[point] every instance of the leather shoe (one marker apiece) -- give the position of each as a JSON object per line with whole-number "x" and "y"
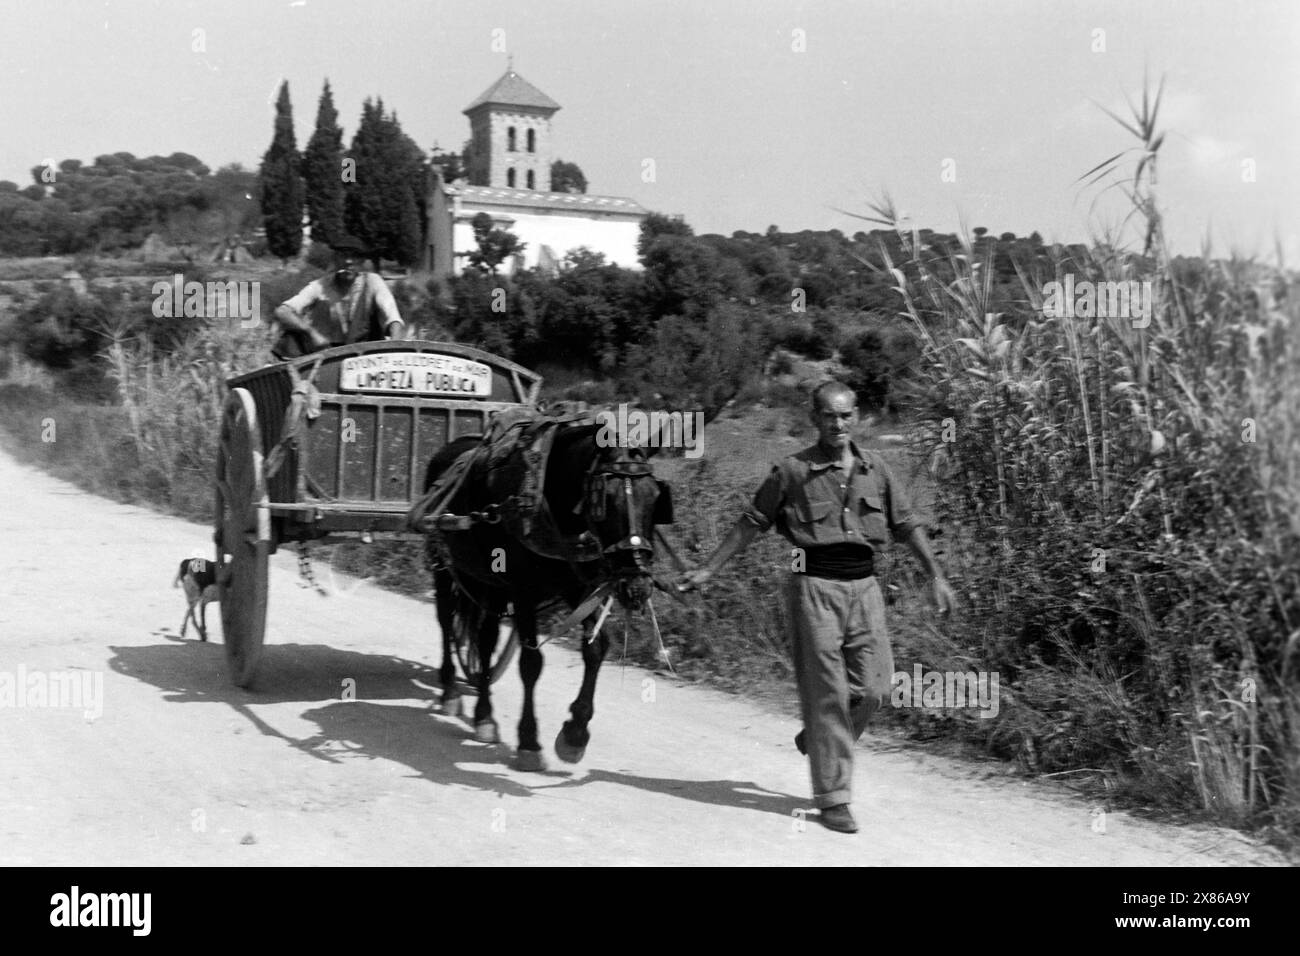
{"x": 839, "y": 818}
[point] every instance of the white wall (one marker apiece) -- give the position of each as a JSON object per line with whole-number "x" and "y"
{"x": 616, "y": 238}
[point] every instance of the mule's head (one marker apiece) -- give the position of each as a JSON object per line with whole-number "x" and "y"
{"x": 621, "y": 503}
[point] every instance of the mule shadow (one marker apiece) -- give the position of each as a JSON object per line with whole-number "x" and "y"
{"x": 437, "y": 748}
{"x": 742, "y": 795}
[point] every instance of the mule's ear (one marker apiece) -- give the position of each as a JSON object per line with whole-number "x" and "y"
{"x": 663, "y": 511}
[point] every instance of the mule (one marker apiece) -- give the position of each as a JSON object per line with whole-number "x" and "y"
{"x": 606, "y": 501}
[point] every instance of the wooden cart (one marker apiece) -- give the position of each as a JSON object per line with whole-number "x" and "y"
{"x": 332, "y": 447}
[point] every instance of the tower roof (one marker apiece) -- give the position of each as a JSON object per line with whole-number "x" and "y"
{"x": 513, "y": 90}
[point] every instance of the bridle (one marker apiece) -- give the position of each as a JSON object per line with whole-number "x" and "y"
{"x": 595, "y": 490}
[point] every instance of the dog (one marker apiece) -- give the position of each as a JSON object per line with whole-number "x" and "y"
{"x": 199, "y": 578}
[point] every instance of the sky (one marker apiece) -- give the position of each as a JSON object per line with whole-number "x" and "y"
{"x": 754, "y": 112}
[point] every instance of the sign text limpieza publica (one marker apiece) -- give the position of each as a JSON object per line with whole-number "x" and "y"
{"x": 415, "y": 373}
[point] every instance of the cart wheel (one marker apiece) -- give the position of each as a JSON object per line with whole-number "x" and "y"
{"x": 464, "y": 632}
{"x": 243, "y": 534}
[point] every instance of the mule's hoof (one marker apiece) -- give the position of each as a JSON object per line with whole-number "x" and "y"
{"x": 566, "y": 751}
{"x": 450, "y": 704}
{"x": 485, "y": 732}
{"x": 531, "y": 761}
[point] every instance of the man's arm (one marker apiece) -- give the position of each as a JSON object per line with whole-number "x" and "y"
{"x": 919, "y": 542}
{"x": 741, "y": 535}
{"x": 387, "y": 306}
{"x": 757, "y": 518}
{"x": 290, "y": 314}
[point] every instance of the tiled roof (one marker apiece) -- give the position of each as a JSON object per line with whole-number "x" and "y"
{"x": 579, "y": 202}
{"x": 513, "y": 90}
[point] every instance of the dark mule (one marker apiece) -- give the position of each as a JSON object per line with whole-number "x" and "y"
{"x": 606, "y": 501}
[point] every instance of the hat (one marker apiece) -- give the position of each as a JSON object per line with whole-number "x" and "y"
{"x": 349, "y": 244}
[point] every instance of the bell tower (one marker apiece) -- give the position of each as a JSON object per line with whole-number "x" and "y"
{"x": 510, "y": 135}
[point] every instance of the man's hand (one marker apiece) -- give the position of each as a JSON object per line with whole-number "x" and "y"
{"x": 318, "y": 340}
{"x": 944, "y": 598}
{"x": 693, "y": 579}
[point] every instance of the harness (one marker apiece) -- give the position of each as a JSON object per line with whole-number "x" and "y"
{"x": 515, "y": 451}
{"x": 595, "y": 491}
{"x": 523, "y": 441}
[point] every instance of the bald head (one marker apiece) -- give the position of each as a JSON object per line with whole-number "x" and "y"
{"x": 825, "y": 392}
{"x": 835, "y": 413}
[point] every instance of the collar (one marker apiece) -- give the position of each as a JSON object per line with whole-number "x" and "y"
{"x": 819, "y": 461}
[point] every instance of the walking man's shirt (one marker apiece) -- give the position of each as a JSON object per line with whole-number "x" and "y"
{"x": 838, "y": 517}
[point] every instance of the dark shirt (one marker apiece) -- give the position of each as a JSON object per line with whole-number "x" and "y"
{"x": 812, "y": 503}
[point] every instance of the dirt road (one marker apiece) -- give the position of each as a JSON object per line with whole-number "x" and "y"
{"x": 172, "y": 765}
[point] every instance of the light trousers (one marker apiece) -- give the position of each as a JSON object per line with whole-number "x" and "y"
{"x": 844, "y": 667}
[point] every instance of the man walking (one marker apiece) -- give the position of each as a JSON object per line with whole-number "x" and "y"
{"x": 348, "y": 305}
{"x": 836, "y": 505}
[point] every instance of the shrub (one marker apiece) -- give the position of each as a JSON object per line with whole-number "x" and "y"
{"x": 694, "y": 365}
{"x": 319, "y": 256}
{"x": 877, "y": 363}
{"x": 812, "y": 336}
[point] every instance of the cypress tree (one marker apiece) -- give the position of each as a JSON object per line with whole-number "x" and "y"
{"x": 282, "y": 191}
{"x": 385, "y": 206}
{"x": 322, "y": 172}
{"x": 363, "y": 199}
{"x": 412, "y": 189}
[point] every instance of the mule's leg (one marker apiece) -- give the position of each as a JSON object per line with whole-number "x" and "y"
{"x": 571, "y": 743}
{"x": 444, "y": 596}
{"x": 185, "y": 622}
{"x": 203, "y": 620}
{"x": 485, "y": 727}
{"x": 529, "y": 755}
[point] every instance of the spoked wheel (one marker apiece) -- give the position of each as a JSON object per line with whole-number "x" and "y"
{"x": 243, "y": 534}
{"x": 465, "y": 620}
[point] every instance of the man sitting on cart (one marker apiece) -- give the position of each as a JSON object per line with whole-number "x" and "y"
{"x": 347, "y": 305}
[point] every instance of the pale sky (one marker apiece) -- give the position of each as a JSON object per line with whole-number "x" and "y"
{"x": 744, "y": 129}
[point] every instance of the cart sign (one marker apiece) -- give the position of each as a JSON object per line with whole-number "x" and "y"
{"x": 416, "y": 373}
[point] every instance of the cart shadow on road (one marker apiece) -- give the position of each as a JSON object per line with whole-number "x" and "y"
{"x": 439, "y": 749}
{"x": 190, "y": 671}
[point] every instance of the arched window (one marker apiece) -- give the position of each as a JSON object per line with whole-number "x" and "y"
{"x": 531, "y": 181}
{"x": 532, "y": 141}
{"x": 510, "y": 178}
{"x": 510, "y": 139}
